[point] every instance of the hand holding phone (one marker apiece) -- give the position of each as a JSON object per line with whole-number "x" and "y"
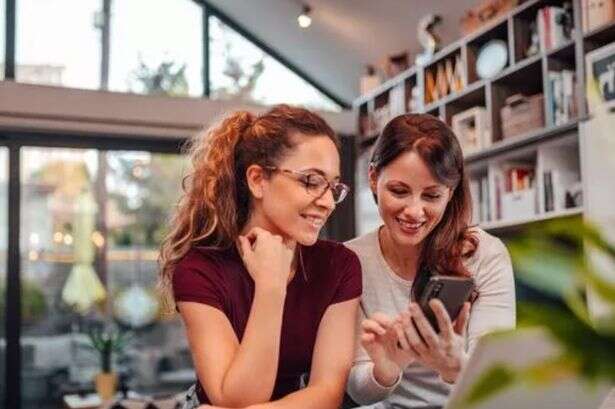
{"x": 453, "y": 292}
{"x": 438, "y": 338}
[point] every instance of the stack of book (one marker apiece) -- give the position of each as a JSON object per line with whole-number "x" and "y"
{"x": 515, "y": 195}
{"x": 551, "y": 23}
{"x": 561, "y": 97}
{"x": 518, "y": 178}
{"x": 447, "y": 77}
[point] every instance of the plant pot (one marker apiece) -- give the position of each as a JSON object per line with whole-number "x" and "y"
{"x": 106, "y": 384}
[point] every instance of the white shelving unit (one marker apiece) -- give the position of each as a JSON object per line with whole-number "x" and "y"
{"x": 553, "y": 150}
{"x": 504, "y": 225}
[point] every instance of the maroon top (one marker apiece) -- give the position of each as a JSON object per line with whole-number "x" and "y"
{"x": 219, "y": 278}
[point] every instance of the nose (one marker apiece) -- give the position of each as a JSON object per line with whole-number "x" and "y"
{"x": 414, "y": 209}
{"x": 326, "y": 200}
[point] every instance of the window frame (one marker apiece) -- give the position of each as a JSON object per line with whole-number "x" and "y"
{"x": 14, "y": 142}
{"x": 208, "y": 11}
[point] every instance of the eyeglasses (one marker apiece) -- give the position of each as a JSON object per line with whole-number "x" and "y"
{"x": 316, "y": 185}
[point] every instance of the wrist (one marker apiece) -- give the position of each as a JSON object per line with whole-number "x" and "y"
{"x": 270, "y": 291}
{"x": 450, "y": 375}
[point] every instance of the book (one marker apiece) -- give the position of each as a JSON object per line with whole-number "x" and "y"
{"x": 569, "y": 86}
{"x": 548, "y": 191}
{"x": 561, "y": 96}
{"x": 475, "y": 192}
{"x": 596, "y": 13}
{"x": 517, "y": 176}
{"x": 485, "y": 212}
{"x": 551, "y": 29}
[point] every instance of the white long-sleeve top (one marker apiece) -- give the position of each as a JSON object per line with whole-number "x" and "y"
{"x": 386, "y": 292}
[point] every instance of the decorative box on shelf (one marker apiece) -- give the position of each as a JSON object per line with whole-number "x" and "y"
{"x": 596, "y": 13}
{"x": 483, "y": 13}
{"x": 519, "y": 205}
{"x": 522, "y": 114}
{"x": 472, "y": 129}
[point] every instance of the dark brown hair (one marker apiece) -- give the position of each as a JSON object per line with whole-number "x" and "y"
{"x": 451, "y": 240}
{"x": 216, "y": 201}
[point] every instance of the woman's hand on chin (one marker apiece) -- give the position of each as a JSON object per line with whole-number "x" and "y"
{"x": 268, "y": 258}
{"x": 442, "y": 351}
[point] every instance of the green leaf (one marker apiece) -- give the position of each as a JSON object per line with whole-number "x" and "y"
{"x": 578, "y": 305}
{"x": 594, "y": 352}
{"x": 554, "y": 274}
{"x": 491, "y": 382}
{"x": 604, "y": 288}
{"x": 549, "y": 371}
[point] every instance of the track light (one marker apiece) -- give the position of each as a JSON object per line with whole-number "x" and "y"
{"x": 304, "y": 18}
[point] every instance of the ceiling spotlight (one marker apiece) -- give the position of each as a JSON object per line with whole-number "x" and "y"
{"x": 304, "y": 18}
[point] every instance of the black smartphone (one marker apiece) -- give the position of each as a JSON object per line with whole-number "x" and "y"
{"x": 452, "y": 291}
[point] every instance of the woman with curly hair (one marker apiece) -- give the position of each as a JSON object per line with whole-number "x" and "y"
{"x": 417, "y": 177}
{"x": 263, "y": 300}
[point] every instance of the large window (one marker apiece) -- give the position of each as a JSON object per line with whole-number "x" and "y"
{"x": 58, "y": 43}
{"x": 239, "y": 69}
{"x": 156, "y": 47}
{"x": 92, "y": 222}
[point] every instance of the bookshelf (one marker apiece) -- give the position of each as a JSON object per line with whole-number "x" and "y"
{"x": 548, "y": 153}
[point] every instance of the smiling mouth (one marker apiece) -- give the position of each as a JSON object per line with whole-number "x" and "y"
{"x": 408, "y": 226}
{"x": 315, "y": 221}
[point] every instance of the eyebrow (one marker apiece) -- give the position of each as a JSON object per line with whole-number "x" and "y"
{"x": 425, "y": 188}
{"x": 320, "y": 172}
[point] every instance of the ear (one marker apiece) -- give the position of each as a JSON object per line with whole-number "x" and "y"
{"x": 255, "y": 177}
{"x": 372, "y": 176}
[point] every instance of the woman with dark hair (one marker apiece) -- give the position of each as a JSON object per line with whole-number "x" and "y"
{"x": 417, "y": 177}
{"x": 262, "y": 299}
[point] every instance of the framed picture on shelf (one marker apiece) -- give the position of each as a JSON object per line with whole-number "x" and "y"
{"x": 600, "y": 72}
{"x": 472, "y": 129}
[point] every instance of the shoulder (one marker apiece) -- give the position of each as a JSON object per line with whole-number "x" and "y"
{"x": 204, "y": 275}
{"x": 488, "y": 245}
{"x": 491, "y": 260}
{"x": 199, "y": 256}
{"x": 367, "y": 249}
{"x": 202, "y": 263}
{"x": 363, "y": 243}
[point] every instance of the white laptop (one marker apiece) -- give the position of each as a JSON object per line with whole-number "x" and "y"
{"x": 518, "y": 350}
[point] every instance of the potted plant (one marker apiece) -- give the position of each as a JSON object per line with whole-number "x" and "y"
{"x": 561, "y": 258}
{"x": 33, "y": 303}
{"x": 106, "y": 342}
